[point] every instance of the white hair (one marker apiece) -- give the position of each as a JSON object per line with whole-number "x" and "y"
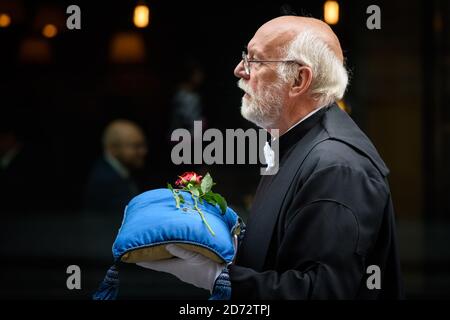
{"x": 330, "y": 77}
{"x": 263, "y": 108}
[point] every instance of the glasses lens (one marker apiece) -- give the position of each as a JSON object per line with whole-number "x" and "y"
{"x": 245, "y": 60}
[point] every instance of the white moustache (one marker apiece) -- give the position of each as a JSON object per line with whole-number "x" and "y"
{"x": 244, "y": 87}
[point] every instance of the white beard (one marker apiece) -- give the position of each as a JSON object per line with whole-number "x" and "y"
{"x": 262, "y": 109}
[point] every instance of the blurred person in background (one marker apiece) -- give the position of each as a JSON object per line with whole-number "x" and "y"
{"x": 187, "y": 107}
{"x": 187, "y": 103}
{"x": 111, "y": 184}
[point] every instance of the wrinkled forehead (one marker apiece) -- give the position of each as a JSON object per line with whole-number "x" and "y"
{"x": 268, "y": 40}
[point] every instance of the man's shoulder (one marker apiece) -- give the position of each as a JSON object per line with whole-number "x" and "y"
{"x": 335, "y": 170}
{"x": 338, "y": 154}
{"x": 346, "y": 144}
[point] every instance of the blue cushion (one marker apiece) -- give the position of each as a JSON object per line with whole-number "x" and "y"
{"x": 152, "y": 220}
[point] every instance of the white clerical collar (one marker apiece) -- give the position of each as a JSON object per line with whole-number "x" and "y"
{"x": 300, "y": 121}
{"x": 117, "y": 166}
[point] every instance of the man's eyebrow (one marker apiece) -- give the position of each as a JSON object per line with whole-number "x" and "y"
{"x": 254, "y": 51}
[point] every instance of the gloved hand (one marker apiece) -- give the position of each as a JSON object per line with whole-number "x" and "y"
{"x": 188, "y": 266}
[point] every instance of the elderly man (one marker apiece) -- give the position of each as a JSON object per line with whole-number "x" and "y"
{"x": 110, "y": 185}
{"x": 322, "y": 227}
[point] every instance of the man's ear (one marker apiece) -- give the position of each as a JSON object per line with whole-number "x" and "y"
{"x": 302, "y": 82}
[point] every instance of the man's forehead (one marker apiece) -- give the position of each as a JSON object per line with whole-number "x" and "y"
{"x": 264, "y": 40}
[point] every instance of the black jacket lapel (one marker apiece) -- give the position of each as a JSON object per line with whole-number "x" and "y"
{"x": 268, "y": 202}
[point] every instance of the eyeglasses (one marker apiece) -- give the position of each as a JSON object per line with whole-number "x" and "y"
{"x": 247, "y": 62}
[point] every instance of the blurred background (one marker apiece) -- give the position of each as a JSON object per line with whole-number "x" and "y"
{"x": 86, "y": 117}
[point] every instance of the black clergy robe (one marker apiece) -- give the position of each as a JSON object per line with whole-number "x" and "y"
{"x": 317, "y": 225}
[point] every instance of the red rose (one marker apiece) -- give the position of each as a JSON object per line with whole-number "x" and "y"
{"x": 200, "y": 189}
{"x": 188, "y": 177}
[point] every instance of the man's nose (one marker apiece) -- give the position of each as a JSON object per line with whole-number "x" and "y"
{"x": 239, "y": 71}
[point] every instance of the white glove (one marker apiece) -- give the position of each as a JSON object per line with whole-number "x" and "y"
{"x": 188, "y": 266}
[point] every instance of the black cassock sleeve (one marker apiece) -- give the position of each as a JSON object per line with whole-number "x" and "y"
{"x": 320, "y": 255}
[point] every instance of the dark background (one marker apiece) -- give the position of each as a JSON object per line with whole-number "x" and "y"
{"x": 399, "y": 94}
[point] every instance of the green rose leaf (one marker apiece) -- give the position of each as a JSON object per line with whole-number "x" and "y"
{"x": 210, "y": 198}
{"x": 195, "y": 192}
{"x": 221, "y": 202}
{"x": 207, "y": 183}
